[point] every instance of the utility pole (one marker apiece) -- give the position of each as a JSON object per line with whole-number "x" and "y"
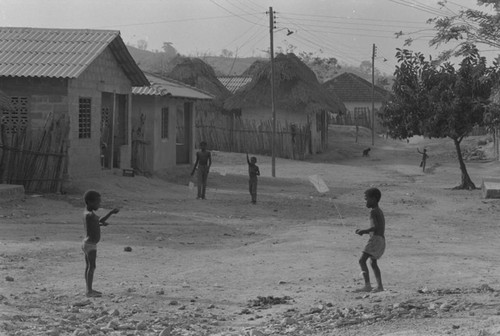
{"x": 373, "y": 93}
{"x": 273, "y": 109}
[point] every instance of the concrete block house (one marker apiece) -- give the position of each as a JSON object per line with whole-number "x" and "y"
{"x": 84, "y": 75}
{"x": 163, "y": 116}
{"x": 356, "y": 94}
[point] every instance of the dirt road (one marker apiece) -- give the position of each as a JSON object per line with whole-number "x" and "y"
{"x": 286, "y": 266}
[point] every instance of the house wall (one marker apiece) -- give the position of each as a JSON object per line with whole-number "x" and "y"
{"x": 103, "y": 75}
{"x": 159, "y": 153}
{"x": 377, "y": 105}
{"x": 46, "y": 97}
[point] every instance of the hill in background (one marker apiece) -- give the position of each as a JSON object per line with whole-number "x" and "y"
{"x": 159, "y": 62}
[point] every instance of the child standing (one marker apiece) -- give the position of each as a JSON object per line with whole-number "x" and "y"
{"x": 93, "y": 225}
{"x": 203, "y": 162}
{"x": 424, "y": 158}
{"x": 375, "y": 247}
{"x": 253, "y": 172}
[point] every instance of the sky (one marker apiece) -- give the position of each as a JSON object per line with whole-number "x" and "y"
{"x": 344, "y": 29}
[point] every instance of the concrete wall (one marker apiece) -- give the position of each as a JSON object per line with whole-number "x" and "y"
{"x": 351, "y": 105}
{"x": 160, "y": 153}
{"x": 103, "y": 75}
{"x": 47, "y": 97}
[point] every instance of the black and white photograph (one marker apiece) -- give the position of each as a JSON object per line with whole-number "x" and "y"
{"x": 249, "y": 167}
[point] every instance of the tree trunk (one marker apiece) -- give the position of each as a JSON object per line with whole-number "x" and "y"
{"x": 466, "y": 180}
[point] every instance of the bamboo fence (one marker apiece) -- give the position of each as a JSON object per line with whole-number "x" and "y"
{"x": 37, "y": 160}
{"x": 233, "y": 134}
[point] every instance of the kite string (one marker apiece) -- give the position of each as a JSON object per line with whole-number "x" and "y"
{"x": 340, "y": 215}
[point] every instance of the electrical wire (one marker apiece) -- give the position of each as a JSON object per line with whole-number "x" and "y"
{"x": 229, "y": 11}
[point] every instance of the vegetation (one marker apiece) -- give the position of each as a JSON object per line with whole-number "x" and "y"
{"x": 468, "y": 27}
{"x": 440, "y": 101}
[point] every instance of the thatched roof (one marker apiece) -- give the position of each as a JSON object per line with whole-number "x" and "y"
{"x": 254, "y": 68}
{"x": 196, "y": 73}
{"x": 297, "y": 89}
{"x": 5, "y": 101}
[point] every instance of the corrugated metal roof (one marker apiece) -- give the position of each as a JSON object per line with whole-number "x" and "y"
{"x": 234, "y": 83}
{"x": 61, "y": 53}
{"x": 170, "y": 87}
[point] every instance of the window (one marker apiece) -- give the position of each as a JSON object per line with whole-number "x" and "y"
{"x": 164, "y": 123}
{"x": 84, "y": 114}
{"x": 16, "y": 119}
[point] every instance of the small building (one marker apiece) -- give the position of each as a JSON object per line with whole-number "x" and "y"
{"x": 300, "y": 100}
{"x": 163, "y": 124}
{"x": 84, "y": 75}
{"x": 356, "y": 94}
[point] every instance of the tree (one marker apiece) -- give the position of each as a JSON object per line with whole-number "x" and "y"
{"x": 169, "y": 50}
{"x": 439, "y": 101}
{"x": 468, "y": 27}
{"x": 325, "y": 68}
{"x": 226, "y": 53}
{"x": 142, "y": 44}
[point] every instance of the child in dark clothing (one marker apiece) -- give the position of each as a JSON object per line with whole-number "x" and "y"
{"x": 203, "y": 163}
{"x": 425, "y": 156}
{"x": 253, "y": 172}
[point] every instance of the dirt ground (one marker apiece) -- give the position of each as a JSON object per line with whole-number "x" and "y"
{"x": 285, "y": 266}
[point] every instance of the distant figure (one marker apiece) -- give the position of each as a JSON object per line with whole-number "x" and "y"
{"x": 366, "y": 152}
{"x": 253, "y": 172}
{"x": 93, "y": 225}
{"x": 203, "y": 163}
{"x": 424, "y": 158}
{"x": 375, "y": 247}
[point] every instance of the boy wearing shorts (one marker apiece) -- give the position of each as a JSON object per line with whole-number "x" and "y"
{"x": 375, "y": 247}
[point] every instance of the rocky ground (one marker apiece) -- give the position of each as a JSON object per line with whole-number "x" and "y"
{"x": 169, "y": 264}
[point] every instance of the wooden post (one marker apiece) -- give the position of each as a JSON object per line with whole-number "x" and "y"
{"x": 273, "y": 109}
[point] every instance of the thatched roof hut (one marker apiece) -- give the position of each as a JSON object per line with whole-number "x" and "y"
{"x": 296, "y": 89}
{"x": 196, "y": 73}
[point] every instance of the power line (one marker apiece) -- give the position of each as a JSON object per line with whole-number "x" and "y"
{"x": 240, "y": 8}
{"x": 245, "y": 3}
{"x": 227, "y": 10}
{"x": 321, "y": 44}
{"x": 242, "y": 35}
{"x": 163, "y": 21}
{"x": 350, "y": 18}
{"x": 419, "y": 7}
{"x": 330, "y": 23}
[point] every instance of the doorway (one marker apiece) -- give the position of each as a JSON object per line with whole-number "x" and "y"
{"x": 183, "y": 133}
{"x": 114, "y": 128}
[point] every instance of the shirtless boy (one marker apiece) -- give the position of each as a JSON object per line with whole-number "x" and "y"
{"x": 203, "y": 162}
{"x": 375, "y": 247}
{"x": 93, "y": 225}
